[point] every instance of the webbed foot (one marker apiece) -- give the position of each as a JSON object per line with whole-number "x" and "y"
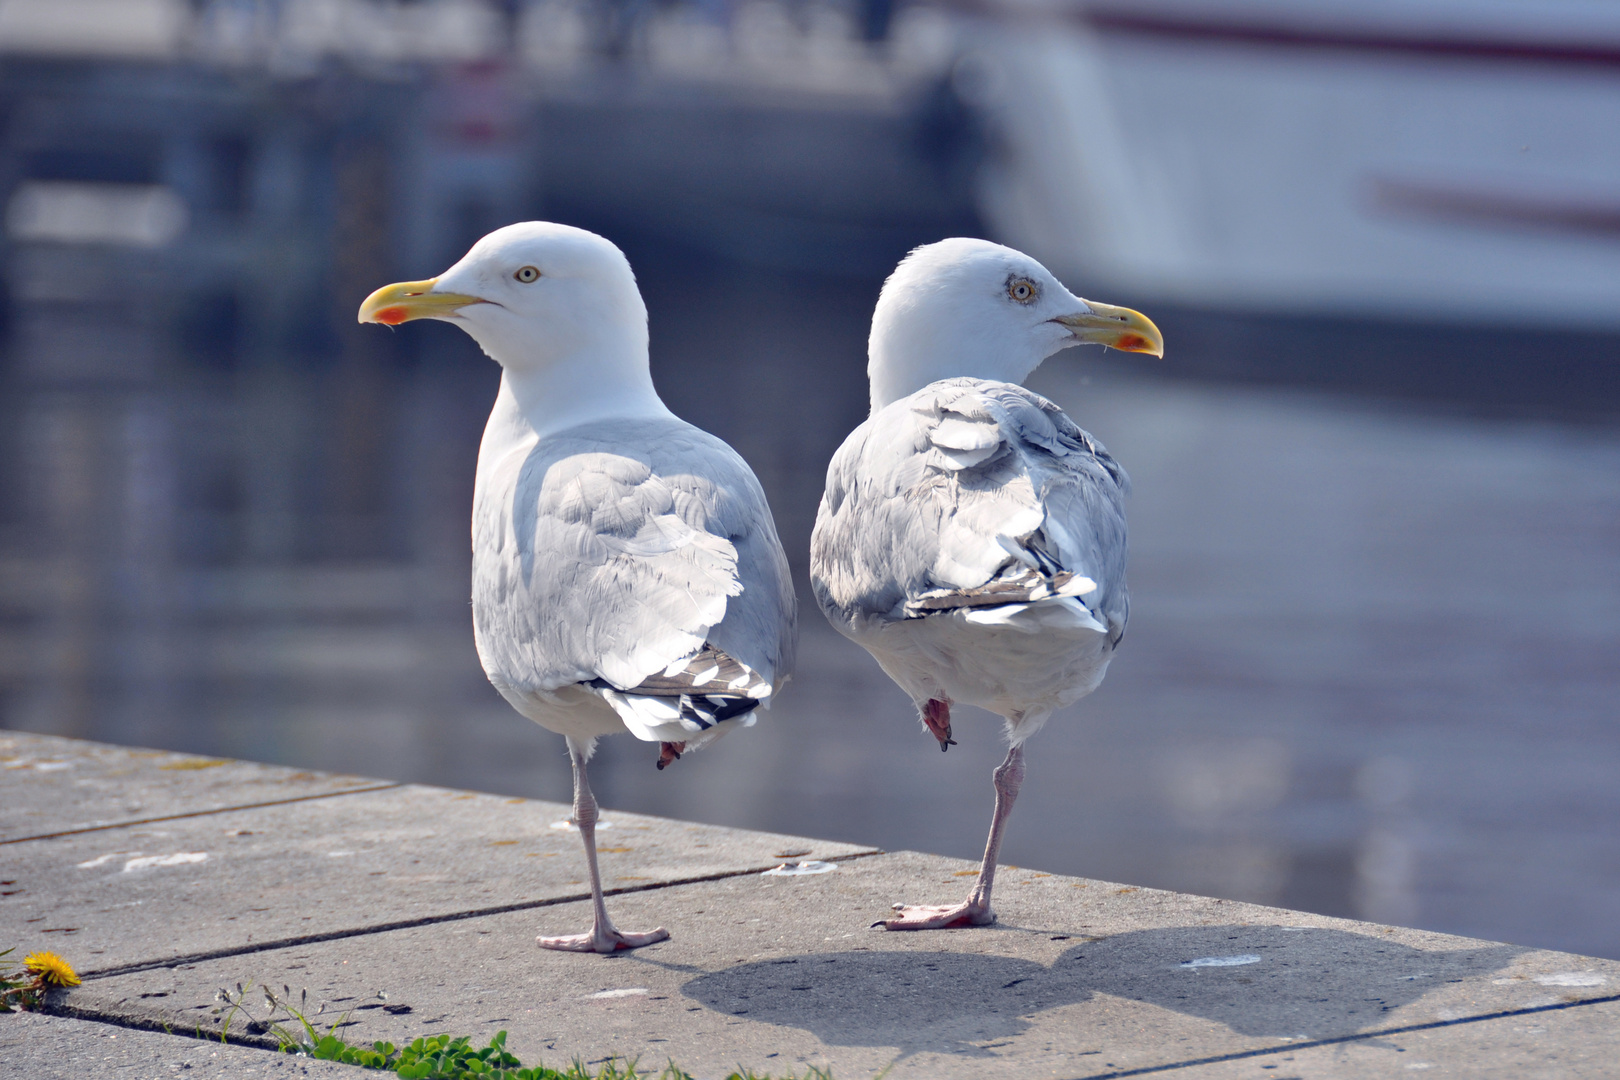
{"x": 601, "y": 940}
{"x": 939, "y": 917}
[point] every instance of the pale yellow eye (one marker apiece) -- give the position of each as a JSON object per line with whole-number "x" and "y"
{"x": 1023, "y": 290}
{"x": 527, "y": 274}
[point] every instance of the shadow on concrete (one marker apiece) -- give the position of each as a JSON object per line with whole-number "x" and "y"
{"x": 1275, "y": 982}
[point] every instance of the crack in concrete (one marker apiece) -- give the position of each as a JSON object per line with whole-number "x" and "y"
{"x": 152, "y": 1021}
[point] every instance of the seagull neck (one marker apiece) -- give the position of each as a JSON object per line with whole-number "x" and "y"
{"x": 896, "y": 373}
{"x": 555, "y": 398}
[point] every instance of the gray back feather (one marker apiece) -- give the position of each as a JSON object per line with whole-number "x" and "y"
{"x": 964, "y": 486}
{"x": 614, "y": 549}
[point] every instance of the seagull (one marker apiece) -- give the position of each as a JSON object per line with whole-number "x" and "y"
{"x": 971, "y": 537}
{"x": 627, "y": 574}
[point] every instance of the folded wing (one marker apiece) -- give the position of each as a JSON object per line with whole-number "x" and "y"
{"x": 650, "y": 575}
{"x": 973, "y": 497}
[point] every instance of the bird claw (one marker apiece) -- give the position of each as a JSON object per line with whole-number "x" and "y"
{"x": 603, "y": 941}
{"x": 938, "y": 917}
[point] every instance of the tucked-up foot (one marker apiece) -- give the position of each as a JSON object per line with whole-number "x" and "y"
{"x": 936, "y": 716}
{"x": 603, "y": 941}
{"x": 668, "y": 752}
{"x": 935, "y": 917}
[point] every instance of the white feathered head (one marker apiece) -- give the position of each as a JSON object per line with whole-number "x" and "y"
{"x": 965, "y": 307}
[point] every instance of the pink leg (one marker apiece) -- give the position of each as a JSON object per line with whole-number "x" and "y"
{"x": 975, "y": 910}
{"x": 604, "y": 937}
{"x": 936, "y": 716}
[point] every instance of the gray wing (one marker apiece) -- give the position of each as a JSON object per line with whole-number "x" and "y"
{"x": 970, "y": 494}
{"x": 638, "y": 560}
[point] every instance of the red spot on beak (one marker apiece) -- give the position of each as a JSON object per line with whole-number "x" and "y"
{"x": 391, "y": 316}
{"x": 1132, "y": 343}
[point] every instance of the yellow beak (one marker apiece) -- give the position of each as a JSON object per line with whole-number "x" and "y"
{"x": 1117, "y": 327}
{"x": 394, "y": 304}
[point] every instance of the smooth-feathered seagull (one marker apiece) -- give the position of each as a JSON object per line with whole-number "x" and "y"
{"x": 627, "y": 575}
{"x": 971, "y": 537}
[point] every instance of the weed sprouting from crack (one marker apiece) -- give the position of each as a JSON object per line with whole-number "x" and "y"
{"x": 26, "y": 987}
{"x": 432, "y": 1057}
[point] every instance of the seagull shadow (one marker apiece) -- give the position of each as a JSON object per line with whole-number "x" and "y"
{"x": 1311, "y": 982}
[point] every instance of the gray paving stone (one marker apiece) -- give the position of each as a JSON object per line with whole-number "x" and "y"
{"x": 43, "y": 1047}
{"x": 190, "y": 886}
{"x": 394, "y": 907}
{"x": 51, "y": 785}
{"x": 1568, "y": 1044}
{"x": 1081, "y": 978}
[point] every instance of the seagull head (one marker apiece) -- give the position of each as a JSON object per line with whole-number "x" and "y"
{"x": 532, "y": 295}
{"x": 965, "y": 307}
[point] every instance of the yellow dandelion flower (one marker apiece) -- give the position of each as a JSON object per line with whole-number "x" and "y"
{"x": 51, "y": 969}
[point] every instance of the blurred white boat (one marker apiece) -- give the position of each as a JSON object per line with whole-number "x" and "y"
{"x": 1443, "y": 160}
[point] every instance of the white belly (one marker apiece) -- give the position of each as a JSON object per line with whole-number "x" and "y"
{"x": 1022, "y": 669}
{"x": 572, "y": 710}
{"x": 581, "y": 714}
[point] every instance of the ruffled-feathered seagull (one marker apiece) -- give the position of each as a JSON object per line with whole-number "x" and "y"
{"x": 971, "y": 537}
{"x": 627, "y": 575}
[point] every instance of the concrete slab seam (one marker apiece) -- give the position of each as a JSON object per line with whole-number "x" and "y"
{"x": 1240, "y": 1055}
{"x": 142, "y": 1023}
{"x": 200, "y": 813}
{"x": 427, "y": 920}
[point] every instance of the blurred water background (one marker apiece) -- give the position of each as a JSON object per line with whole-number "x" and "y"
{"x": 1372, "y": 667}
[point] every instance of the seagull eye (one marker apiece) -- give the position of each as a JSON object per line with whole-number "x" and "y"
{"x": 527, "y": 274}
{"x": 1023, "y": 290}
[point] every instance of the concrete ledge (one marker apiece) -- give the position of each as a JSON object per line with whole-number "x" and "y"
{"x": 433, "y": 898}
{"x": 57, "y": 786}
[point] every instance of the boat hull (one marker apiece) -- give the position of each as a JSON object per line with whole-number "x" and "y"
{"x": 1340, "y": 172}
